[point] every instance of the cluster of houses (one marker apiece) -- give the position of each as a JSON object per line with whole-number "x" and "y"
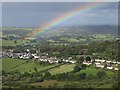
{"x": 103, "y": 64}
{"x": 45, "y": 58}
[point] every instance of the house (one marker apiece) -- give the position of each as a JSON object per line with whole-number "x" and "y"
{"x": 114, "y": 62}
{"x": 108, "y": 61}
{"x": 98, "y": 60}
{"x": 53, "y": 61}
{"x": 87, "y": 63}
{"x": 116, "y": 69}
{"x": 71, "y": 61}
{"x": 36, "y": 57}
{"x": 99, "y": 65}
{"x": 110, "y": 68}
{"x": 118, "y": 63}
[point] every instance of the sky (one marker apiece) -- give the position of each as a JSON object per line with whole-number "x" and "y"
{"x": 34, "y": 14}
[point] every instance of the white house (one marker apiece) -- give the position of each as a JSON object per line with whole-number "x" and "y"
{"x": 110, "y": 68}
{"x": 98, "y": 60}
{"x": 36, "y": 57}
{"x": 71, "y": 61}
{"x": 108, "y": 61}
{"x": 87, "y": 63}
{"x": 99, "y": 65}
{"x": 116, "y": 69}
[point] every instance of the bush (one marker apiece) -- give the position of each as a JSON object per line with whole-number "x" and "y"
{"x": 32, "y": 80}
{"x": 26, "y": 74}
{"x": 77, "y": 69}
{"x": 83, "y": 66}
{"x": 101, "y": 74}
{"x": 35, "y": 69}
{"x": 82, "y": 75}
{"x": 47, "y": 74}
{"x": 40, "y": 79}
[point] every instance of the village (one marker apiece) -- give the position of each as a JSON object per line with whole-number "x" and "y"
{"x": 99, "y": 63}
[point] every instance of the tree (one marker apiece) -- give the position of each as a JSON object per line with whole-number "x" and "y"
{"x": 77, "y": 69}
{"x": 47, "y": 74}
{"x": 40, "y": 79}
{"x": 35, "y": 69}
{"x": 83, "y": 66}
{"x": 81, "y": 59}
{"x": 82, "y": 75}
{"x": 88, "y": 58}
{"x": 26, "y": 74}
{"x": 15, "y": 41}
{"x": 100, "y": 74}
{"x": 3, "y": 72}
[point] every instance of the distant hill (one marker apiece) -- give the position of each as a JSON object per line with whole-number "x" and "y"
{"x": 76, "y": 30}
{"x": 65, "y": 30}
{"x": 18, "y": 31}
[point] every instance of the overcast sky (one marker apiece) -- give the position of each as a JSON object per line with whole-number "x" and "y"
{"x": 26, "y": 14}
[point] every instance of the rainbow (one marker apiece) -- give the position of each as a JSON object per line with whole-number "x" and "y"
{"x": 63, "y": 17}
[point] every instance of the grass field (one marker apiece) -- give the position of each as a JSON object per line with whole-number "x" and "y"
{"x": 69, "y": 39}
{"x": 30, "y": 67}
{"x": 9, "y": 64}
{"x": 11, "y": 42}
{"x": 62, "y": 69}
{"x": 93, "y": 71}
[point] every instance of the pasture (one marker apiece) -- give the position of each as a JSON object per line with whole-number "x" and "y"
{"x": 22, "y": 65}
{"x": 62, "y": 69}
{"x": 12, "y": 42}
{"x": 9, "y": 63}
{"x": 93, "y": 71}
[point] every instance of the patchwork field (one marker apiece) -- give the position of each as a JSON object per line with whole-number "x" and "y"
{"x": 22, "y": 65}
{"x": 9, "y": 63}
{"x": 12, "y": 42}
{"x": 62, "y": 69}
{"x": 93, "y": 71}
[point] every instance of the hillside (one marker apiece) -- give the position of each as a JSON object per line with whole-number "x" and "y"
{"x": 77, "y": 30}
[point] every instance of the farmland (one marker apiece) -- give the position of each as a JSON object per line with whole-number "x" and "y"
{"x": 26, "y": 65}
{"x": 22, "y": 65}
{"x": 62, "y": 69}
{"x": 93, "y": 71}
{"x": 9, "y": 63}
{"x": 12, "y": 42}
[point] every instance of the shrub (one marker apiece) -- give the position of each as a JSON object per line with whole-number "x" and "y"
{"x": 77, "y": 69}
{"x": 100, "y": 74}
{"x": 82, "y": 75}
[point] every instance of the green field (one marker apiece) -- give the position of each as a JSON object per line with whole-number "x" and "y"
{"x": 93, "y": 71}
{"x": 31, "y": 65}
{"x": 62, "y": 69}
{"x": 11, "y": 42}
{"x": 22, "y": 65}
{"x": 8, "y": 63}
{"x": 69, "y": 39}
